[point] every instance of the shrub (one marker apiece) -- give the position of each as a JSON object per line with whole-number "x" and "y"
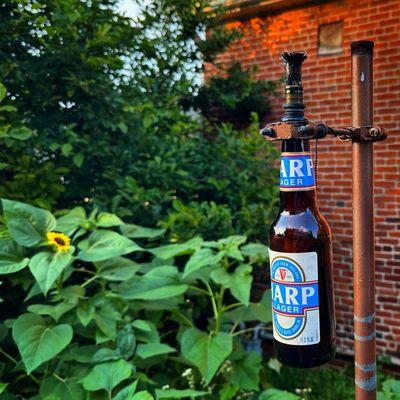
{"x": 233, "y": 95}
{"x": 101, "y": 95}
{"x": 226, "y": 182}
{"x": 95, "y": 307}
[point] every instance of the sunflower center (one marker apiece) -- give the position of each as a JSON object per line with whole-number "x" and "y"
{"x": 59, "y": 241}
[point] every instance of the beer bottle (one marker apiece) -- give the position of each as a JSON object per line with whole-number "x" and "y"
{"x": 300, "y": 250}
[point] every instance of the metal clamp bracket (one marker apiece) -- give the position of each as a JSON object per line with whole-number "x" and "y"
{"x": 313, "y": 130}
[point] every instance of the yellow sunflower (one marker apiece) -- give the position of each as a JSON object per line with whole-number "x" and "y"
{"x": 60, "y": 241}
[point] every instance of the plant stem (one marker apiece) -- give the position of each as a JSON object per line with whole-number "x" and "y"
{"x": 87, "y": 271}
{"x": 250, "y": 330}
{"x": 12, "y": 359}
{"x": 230, "y": 306}
{"x": 220, "y": 308}
{"x": 184, "y": 317}
{"x": 200, "y": 290}
{"x": 90, "y": 280}
{"x": 58, "y": 377}
{"x": 214, "y": 306}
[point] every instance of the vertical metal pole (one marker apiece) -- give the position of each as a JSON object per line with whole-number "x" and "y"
{"x": 363, "y": 224}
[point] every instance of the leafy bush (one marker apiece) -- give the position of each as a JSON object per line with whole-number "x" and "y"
{"x": 102, "y": 95}
{"x": 233, "y": 95}
{"x": 95, "y": 307}
{"x": 224, "y": 183}
{"x": 22, "y": 173}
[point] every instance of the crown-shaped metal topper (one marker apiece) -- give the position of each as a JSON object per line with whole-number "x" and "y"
{"x": 294, "y": 106}
{"x": 293, "y": 61}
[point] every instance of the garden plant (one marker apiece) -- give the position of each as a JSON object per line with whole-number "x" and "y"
{"x": 95, "y": 308}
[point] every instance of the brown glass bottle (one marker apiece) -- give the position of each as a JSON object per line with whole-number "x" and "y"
{"x": 298, "y": 234}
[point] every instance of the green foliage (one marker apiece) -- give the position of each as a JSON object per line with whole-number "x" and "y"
{"x": 206, "y": 351}
{"x": 223, "y": 186}
{"x": 107, "y": 376}
{"x": 234, "y": 95}
{"x": 390, "y": 390}
{"x": 316, "y": 383}
{"x": 275, "y": 394}
{"x": 102, "y": 98}
{"x": 122, "y": 313}
{"x": 38, "y": 342}
{"x": 23, "y": 174}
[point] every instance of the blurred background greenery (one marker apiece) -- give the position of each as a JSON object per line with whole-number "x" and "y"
{"x": 114, "y": 114}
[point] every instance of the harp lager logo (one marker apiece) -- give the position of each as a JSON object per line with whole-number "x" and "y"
{"x": 297, "y": 172}
{"x": 295, "y": 303}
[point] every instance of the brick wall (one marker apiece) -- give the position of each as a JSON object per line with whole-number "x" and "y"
{"x": 326, "y": 81}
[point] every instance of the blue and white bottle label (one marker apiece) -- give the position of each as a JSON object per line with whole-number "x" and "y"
{"x": 297, "y": 172}
{"x": 295, "y": 301}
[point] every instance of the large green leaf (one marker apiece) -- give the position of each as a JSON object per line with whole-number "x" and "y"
{"x": 103, "y": 245}
{"x": 85, "y": 313}
{"x": 117, "y": 269}
{"x": 201, "y": 258}
{"x": 127, "y": 392}
{"x": 246, "y": 371}
{"x": 206, "y": 351}
{"x": 70, "y": 297}
{"x": 260, "y": 311}
{"x": 67, "y": 389}
{"x": 107, "y": 376}
{"x": 47, "y": 266}
{"x": 146, "y": 350}
{"x": 106, "y": 318}
{"x": 56, "y": 311}
{"x": 11, "y": 257}
{"x": 255, "y": 252}
{"x": 38, "y": 342}
{"x": 140, "y": 232}
{"x": 27, "y": 224}
{"x": 159, "y": 283}
{"x": 276, "y": 394}
{"x": 173, "y": 250}
{"x": 239, "y": 282}
{"x": 178, "y": 394}
{"x": 71, "y": 221}
{"x": 230, "y": 246}
{"x": 107, "y": 220}
{"x": 146, "y": 331}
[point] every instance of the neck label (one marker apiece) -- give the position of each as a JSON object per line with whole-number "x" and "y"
{"x": 297, "y": 172}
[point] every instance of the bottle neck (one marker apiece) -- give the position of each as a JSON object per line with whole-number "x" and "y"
{"x": 297, "y": 178}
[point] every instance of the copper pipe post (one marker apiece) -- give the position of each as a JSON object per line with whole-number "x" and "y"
{"x": 363, "y": 224}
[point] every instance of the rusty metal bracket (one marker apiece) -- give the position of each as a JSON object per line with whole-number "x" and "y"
{"x": 363, "y": 134}
{"x": 313, "y": 130}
